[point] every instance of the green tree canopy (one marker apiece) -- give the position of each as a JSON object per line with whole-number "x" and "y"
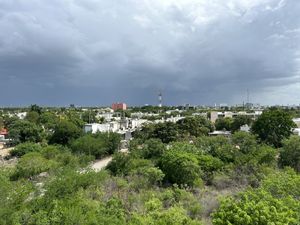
{"x": 49, "y": 120}
{"x": 273, "y": 126}
{"x": 195, "y": 126}
{"x": 65, "y": 132}
{"x": 275, "y": 202}
{"x": 33, "y": 116}
{"x": 25, "y": 131}
{"x": 224, "y": 123}
{"x": 290, "y": 153}
{"x": 181, "y": 167}
{"x": 239, "y": 121}
{"x": 25, "y": 148}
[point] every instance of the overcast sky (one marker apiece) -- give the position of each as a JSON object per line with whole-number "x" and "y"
{"x": 95, "y": 52}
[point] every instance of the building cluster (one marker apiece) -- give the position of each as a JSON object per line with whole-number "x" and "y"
{"x": 216, "y": 115}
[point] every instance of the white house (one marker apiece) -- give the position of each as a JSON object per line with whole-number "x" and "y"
{"x": 106, "y": 127}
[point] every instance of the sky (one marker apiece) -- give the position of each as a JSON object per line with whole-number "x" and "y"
{"x": 95, "y": 52}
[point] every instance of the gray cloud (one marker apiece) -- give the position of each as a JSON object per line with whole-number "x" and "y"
{"x": 201, "y": 52}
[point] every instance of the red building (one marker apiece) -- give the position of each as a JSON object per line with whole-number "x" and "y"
{"x": 4, "y": 132}
{"x": 119, "y": 106}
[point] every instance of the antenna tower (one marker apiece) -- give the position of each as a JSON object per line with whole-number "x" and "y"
{"x": 160, "y": 99}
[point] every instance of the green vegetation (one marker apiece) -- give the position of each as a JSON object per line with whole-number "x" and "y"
{"x": 24, "y": 131}
{"x": 290, "y": 153}
{"x": 65, "y": 132}
{"x": 96, "y": 145}
{"x": 25, "y": 148}
{"x": 173, "y": 173}
{"x": 273, "y": 126}
{"x": 233, "y": 124}
{"x": 275, "y": 202}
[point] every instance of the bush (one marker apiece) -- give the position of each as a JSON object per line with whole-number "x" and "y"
{"x": 25, "y": 148}
{"x": 90, "y": 145}
{"x": 209, "y": 165}
{"x": 180, "y": 167}
{"x": 156, "y": 214}
{"x": 31, "y": 164}
{"x": 152, "y": 148}
{"x": 275, "y": 202}
{"x": 282, "y": 184}
{"x": 257, "y": 207}
{"x": 246, "y": 142}
{"x": 290, "y": 153}
{"x": 118, "y": 165}
{"x": 219, "y": 147}
{"x": 152, "y": 174}
{"x": 64, "y": 133}
{"x": 24, "y": 131}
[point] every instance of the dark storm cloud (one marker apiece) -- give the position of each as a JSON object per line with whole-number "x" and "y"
{"x": 95, "y": 52}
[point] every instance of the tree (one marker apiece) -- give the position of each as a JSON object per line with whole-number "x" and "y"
{"x": 181, "y": 167}
{"x": 219, "y": 147}
{"x": 239, "y": 121}
{"x": 290, "y": 153}
{"x": 166, "y": 132}
{"x": 25, "y": 131}
{"x": 89, "y": 116}
{"x": 36, "y": 108}
{"x": 273, "y": 126}
{"x": 9, "y": 120}
{"x": 195, "y": 126}
{"x": 1, "y": 122}
{"x": 32, "y": 116}
{"x": 152, "y": 148}
{"x": 224, "y": 123}
{"x": 245, "y": 142}
{"x": 74, "y": 117}
{"x": 49, "y": 120}
{"x": 64, "y": 133}
{"x": 90, "y": 145}
{"x": 112, "y": 141}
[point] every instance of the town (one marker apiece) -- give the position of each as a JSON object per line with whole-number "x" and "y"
{"x": 200, "y": 154}
{"x": 149, "y": 112}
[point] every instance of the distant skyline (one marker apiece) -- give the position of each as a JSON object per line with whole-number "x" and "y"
{"x": 96, "y": 52}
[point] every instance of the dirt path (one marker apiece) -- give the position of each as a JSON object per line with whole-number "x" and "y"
{"x": 102, "y": 163}
{"x": 5, "y": 152}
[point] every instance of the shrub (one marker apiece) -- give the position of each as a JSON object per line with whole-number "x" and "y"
{"x": 290, "y": 153}
{"x": 90, "y": 145}
{"x": 64, "y": 133}
{"x": 180, "y": 167}
{"x": 275, "y": 202}
{"x": 257, "y": 207}
{"x": 25, "y": 148}
{"x": 31, "y": 164}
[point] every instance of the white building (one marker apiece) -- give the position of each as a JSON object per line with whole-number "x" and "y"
{"x": 174, "y": 119}
{"x": 137, "y": 123}
{"x": 107, "y": 116}
{"x": 297, "y": 122}
{"x": 21, "y": 115}
{"x": 106, "y": 127}
{"x": 245, "y": 128}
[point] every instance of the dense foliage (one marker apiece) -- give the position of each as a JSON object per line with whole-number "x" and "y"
{"x": 172, "y": 173}
{"x": 275, "y": 202}
{"x": 273, "y": 126}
